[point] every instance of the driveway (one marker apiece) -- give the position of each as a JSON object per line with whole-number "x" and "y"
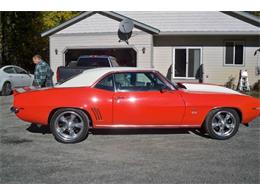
{"x": 30, "y": 154}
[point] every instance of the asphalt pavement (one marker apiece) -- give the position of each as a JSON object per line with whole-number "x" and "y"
{"x": 29, "y": 154}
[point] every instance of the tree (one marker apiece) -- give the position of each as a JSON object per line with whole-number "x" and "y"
{"x": 52, "y": 19}
{"x": 256, "y": 13}
{"x": 20, "y": 35}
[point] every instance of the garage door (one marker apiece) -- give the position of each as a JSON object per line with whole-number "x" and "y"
{"x": 124, "y": 56}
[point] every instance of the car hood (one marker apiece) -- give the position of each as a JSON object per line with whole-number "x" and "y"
{"x": 208, "y": 88}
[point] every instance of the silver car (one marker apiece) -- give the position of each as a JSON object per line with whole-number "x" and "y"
{"x": 13, "y": 76}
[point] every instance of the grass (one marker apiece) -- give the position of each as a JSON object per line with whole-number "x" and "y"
{"x": 254, "y": 93}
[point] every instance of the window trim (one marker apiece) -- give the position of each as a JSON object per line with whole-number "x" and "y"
{"x": 25, "y": 72}
{"x": 104, "y": 77}
{"x": 11, "y": 68}
{"x": 234, "y": 53}
{"x": 138, "y": 72}
{"x": 187, "y": 48}
{"x": 158, "y": 74}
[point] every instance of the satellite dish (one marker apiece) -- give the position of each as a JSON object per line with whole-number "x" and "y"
{"x": 125, "y": 30}
{"x": 124, "y": 36}
{"x": 126, "y": 25}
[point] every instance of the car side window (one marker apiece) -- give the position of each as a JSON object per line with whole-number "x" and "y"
{"x": 20, "y": 71}
{"x": 9, "y": 70}
{"x": 106, "y": 83}
{"x": 138, "y": 81}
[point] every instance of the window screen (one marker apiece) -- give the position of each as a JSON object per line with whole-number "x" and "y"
{"x": 229, "y": 52}
{"x": 234, "y": 53}
{"x": 239, "y": 53}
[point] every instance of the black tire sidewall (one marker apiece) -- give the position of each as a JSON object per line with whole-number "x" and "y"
{"x": 208, "y": 123}
{"x": 85, "y": 129}
{"x": 4, "y": 89}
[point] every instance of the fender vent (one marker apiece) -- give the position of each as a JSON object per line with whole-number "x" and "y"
{"x": 97, "y": 113}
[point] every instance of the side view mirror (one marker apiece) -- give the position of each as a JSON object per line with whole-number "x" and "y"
{"x": 28, "y": 73}
{"x": 163, "y": 88}
{"x": 180, "y": 85}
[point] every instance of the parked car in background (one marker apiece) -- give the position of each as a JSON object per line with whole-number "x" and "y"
{"x": 13, "y": 76}
{"x": 83, "y": 63}
{"x": 133, "y": 98}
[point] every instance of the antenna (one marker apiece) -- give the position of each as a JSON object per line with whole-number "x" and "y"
{"x": 125, "y": 30}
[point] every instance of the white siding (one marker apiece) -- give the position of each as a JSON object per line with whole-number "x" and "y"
{"x": 217, "y": 72}
{"x": 212, "y": 56}
{"x": 162, "y": 59}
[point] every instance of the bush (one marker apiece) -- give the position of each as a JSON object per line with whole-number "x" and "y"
{"x": 256, "y": 86}
{"x": 230, "y": 83}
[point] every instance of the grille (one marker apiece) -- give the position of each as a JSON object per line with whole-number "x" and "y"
{"x": 97, "y": 113}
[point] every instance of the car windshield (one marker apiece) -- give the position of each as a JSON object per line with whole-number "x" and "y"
{"x": 172, "y": 83}
{"x": 93, "y": 62}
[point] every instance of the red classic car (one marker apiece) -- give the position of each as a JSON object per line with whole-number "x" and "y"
{"x": 133, "y": 98}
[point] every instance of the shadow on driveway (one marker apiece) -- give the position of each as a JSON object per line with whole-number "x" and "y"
{"x": 33, "y": 128}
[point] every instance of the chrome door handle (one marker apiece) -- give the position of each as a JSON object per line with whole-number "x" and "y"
{"x": 119, "y": 97}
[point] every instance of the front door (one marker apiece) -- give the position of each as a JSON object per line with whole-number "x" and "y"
{"x": 187, "y": 62}
{"x": 138, "y": 101}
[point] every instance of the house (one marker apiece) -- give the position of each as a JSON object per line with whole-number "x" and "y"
{"x": 176, "y": 43}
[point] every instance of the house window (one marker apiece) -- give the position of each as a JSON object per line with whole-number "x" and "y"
{"x": 187, "y": 62}
{"x": 234, "y": 53}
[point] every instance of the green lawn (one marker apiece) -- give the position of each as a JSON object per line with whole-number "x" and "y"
{"x": 254, "y": 93}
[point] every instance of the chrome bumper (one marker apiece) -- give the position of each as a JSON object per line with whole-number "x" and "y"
{"x": 14, "y": 109}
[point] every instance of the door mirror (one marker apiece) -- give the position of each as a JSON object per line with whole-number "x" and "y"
{"x": 181, "y": 86}
{"x": 28, "y": 73}
{"x": 163, "y": 88}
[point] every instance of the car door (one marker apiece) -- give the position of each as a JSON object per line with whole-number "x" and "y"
{"x": 139, "y": 101}
{"x": 23, "y": 77}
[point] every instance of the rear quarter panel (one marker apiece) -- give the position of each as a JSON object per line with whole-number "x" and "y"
{"x": 38, "y": 105}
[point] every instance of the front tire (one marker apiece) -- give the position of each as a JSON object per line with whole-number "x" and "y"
{"x": 222, "y": 123}
{"x": 6, "y": 89}
{"x": 69, "y": 125}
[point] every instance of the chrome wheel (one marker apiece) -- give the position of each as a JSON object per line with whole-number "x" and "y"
{"x": 223, "y": 123}
{"x": 69, "y": 125}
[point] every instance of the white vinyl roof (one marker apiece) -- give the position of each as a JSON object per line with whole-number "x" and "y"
{"x": 89, "y": 77}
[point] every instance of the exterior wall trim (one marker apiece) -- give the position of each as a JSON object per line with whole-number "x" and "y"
{"x": 173, "y": 60}
{"x": 244, "y": 52}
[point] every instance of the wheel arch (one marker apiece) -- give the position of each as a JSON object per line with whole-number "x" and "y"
{"x": 5, "y": 81}
{"x": 239, "y": 112}
{"x": 86, "y": 112}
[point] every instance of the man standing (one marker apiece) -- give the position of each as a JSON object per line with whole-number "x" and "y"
{"x": 43, "y": 73}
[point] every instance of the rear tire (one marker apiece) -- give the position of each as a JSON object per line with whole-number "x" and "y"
{"x": 222, "y": 123}
{"x": 69, "y": 125}
{"x": 6, "y": 89}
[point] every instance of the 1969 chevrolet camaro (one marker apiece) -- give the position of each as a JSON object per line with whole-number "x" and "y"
{"x": 133, "y": 98}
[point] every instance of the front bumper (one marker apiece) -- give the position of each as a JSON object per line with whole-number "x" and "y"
{"x": 14, "y": 109}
